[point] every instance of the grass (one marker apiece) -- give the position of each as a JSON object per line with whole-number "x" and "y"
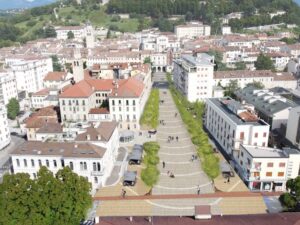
{"x": 191, "y": 114}
{"x": 150, "y": 115}
{"x": 150, "y": 174}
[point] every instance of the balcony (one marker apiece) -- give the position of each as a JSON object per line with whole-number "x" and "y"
{"x": 257, "y": 178}
{"x": 97, "y": 173}
{"x": 254, "y": 168}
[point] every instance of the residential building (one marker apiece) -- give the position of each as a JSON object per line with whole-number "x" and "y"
{"x": 43, "y": 117}
{"x": 272, "y": 108}
{"x": 78, "y": 31}
{"x": 232, "y": 124}
{"x": 30, "y": 73}
{"x": 280, "y": 60}
{"x": 267, "y": 169}
{"x": 8, "y": 87}
{"x": 293, "y": 127}
{"x": 44, "y": 98}
{"x": 57, "y": 80}
{"x": 4, "y": 128}
{"x": 268, "y": 78}
{"x": 192, "y": 30}
{"x": 193, "y": 76}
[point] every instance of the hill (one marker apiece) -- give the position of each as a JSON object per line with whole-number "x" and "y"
{"x": 38, "y": 22}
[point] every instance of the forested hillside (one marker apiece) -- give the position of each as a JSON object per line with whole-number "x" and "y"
{"x": 38, "y": 22}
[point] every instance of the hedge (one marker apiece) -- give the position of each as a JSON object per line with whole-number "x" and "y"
{"x": 150, "y": 115}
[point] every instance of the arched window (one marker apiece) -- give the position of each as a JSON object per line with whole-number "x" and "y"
{"x": 18, "y": 162}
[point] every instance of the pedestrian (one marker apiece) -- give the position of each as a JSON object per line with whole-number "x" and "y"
{"x": 198, "y": 190}
{"x": 193, "y": 157}
{"x": 228, "y": 179}
{"x": 124, "y": 193}
{"x": 163, "y": 164}
{"x": 176, "y": 138}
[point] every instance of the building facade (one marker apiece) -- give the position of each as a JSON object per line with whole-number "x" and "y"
{"x": 8, "y": 87}
{"x": 4, "y": 128}
{"x": 193, "y": 76}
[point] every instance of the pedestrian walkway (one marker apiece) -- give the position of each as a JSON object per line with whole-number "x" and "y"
{"x": 177, "y": 155}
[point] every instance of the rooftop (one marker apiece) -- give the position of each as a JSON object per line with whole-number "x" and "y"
{"x": 55, "y": 76}
{"x": 237, "y": 112}
{"x": 62, "y": 149}
{"x": 265, "y": 152}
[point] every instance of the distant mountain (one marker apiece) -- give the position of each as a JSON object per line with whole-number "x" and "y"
{"x": 19, "y": 4}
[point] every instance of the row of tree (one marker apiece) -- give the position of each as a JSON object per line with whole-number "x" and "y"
{"x": 61, "y": 199}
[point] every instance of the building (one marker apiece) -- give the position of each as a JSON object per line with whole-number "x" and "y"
{"x": 272, "y": 108}
{"x": 57, "y": 80}
{"x": 232, "y": 124}
{"x": 192, "y": 30}
{"x": 30, "y": 73}
{"x": 226, "y": 30}
{"x": 268, "y": 78}
{"x": 78, "y": 31}
{"x": 267, "y": 169}
{"x": 8, "y": 87}
{"x": 43, "y": 117}
{"x": 193, "y": 76}
{"x": 91, "y": 156}
{"x": 293, "y": 127}
{"x": 4, "y": 128}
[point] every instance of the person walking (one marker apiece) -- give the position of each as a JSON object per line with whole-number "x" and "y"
{"x": 177, "y": 138}
{"x": 163, "y": 164}
{"x": 198, "y": 190}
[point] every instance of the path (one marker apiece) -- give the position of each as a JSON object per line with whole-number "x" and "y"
{"x": 176, "y": 154}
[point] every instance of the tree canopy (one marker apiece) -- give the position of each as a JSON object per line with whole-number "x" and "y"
{"x": 55, "y": 63}
{"x": 70, "y": 35}
{"x": 264, "y": 62}
{"x": 231, "y": 88}
{"x": 256, "y": 84}
{"x": 61, "y": 199}
{"x": 13, "y": 108}
{"x": 291, "y": 198}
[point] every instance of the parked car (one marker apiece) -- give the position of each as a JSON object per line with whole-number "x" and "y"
{"x": 129, "y": 178}
{"x": 135, "y": 157}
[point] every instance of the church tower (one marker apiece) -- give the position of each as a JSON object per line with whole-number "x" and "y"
{"x": 90, "y": 38}
{"x": 78, "y": 71}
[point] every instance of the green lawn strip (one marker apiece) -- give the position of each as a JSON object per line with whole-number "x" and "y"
{"x": 150, "y": 174}
{"x": 150, "y": 115}
{"x": 193, "y": 120}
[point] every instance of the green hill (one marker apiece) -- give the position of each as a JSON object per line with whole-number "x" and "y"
{"x": 38, "y": 22}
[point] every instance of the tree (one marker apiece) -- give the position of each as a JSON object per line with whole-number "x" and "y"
{"x": 256, "y": 84}
{"x": 70, "y": 35}
{"x": 55, "y": 63}
{"x": 219, "y": 65}
{"x": 13, "y": 108}
{"x": 240, "y": 66}
{"x": 147, "y": 60}
{"x": 291, "y": 198}
{"x": 264, "y": 62}
{"x": 50, "y": 32}
{"x": 49, "y": 199}
{"x": 231, "y": 88}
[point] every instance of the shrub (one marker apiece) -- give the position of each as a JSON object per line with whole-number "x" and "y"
{"x": 150, "y": 115}
{"x": 150, "y": 175}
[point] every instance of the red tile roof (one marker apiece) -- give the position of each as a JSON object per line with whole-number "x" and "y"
{"x": 99, "y": 111}
{"x": 128, "y": 88}
{"x": 42, "y": 92}
{"x": 55, "y": 76}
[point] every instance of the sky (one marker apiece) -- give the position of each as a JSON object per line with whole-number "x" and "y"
{"x": 12, "y": 4}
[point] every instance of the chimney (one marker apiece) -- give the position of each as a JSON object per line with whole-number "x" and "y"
{"x": 88, "y": 137}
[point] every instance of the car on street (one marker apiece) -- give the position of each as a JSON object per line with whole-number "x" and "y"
{"x": 129, "y": 178}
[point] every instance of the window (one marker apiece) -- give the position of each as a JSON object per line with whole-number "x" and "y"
{"x": 242, "y": 134}
{"x": 282, "y": 164}
{"x": 96, "y": 180}
{"x": 40, "y": 163}
{"x": 280, "y": 174}
{"x": 265, "y": 134}
{"x": 270, "y": 165}
{"x": 256, "y": 135}
{"x": 84, "y": 166}
{"x": 113, "y": 102}
{"x": 72, "y": 166}
{"x": 264, "y": 144}
{"x": 119, "y": 102}
{"x": 63, "y": 102}
{"x": 94, "y": 167}
{"x": 98, "y": 167}
{"x": 83, "y": 102}
{"x": 25, "y": 162}
{"x": 127, "y": 102}
{"x": 47, "y": 163}
{"x": 18, "y": 162}
{"x": 32, "y": 163}
{"x": 54, "y": 163}
{"x": 268, "y": 174}
{"x": 34, "y": 175}
{"x": 242, "y": 154}
{"x": 81, "y": 165}
{"x": 133, "y": 102}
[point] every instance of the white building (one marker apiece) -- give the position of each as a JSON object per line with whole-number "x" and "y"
{"x": 193, "y": 77}
{"x": 232, "y": 124}
{"x": 267, "y": 169}
{"x": 8, "y": 87}
{"x": 78, "y": 31}
{"x": 226, "y": 30}
{"x": 192, "y": 30}
{"x": 293, "y": 126}
{"x": 4, "y": 128}
{"x": 30, "y": 73}
{"x": 272, "y": 108}
{"x": 92, "y": 155}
